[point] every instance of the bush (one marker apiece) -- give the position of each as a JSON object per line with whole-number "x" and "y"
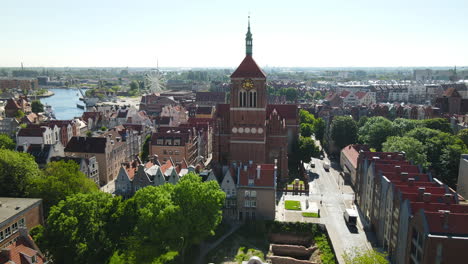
{"x": 326, "y": 253}
{"x": 292, "y": 205}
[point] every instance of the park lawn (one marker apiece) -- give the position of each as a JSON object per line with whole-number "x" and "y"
{"x": 310, "y": 214}
{"x": 292, "y": 205}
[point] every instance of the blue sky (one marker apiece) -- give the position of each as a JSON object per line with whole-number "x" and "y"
{"x": 209, "y": 33}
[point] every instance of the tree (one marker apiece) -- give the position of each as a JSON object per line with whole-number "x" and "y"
{"x": 403, "y": 125}
{"x": 77, "y": 229}
{"x": 37, "y": 106}
{"x": 360, "y": 256}
{"x": 17, "y": 169}
{"x": 375, "y": 132}
{"x": 318, "y": 95}
{"x": 19, "y": 114}
{"x": 319, "y": 129}
{"x": 308, "y": 96}
{"x": 450, "y": 162}
{"x": 145, "y": 150}
{"x": 362, "y": 121}
{"x": 290, "y": 93}
{"x": 307, "y": 149}
{"x": 59, "y": 180}
{"x": 463, "y": 135}
{"x": 422, "y": 134}
{"x": 306, "y": 117}
{"x": 441, "y": 124}
{"x": 6, "y": 142}
{"x": 166, "y": 217}
{"x": 343, "y": 131}
{"x": 413, "y": 149}
{"x": 306, "y": 129}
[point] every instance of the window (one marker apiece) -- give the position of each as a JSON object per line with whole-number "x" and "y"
{"x": 14, "y": 226}
{"x": 251, "y": 182}
{"x": 176, "y": 152}
{"x": 7, "y": 232}
{"x": 253, "y": 98}
{"x": 246, "y": 203}
{"x": 247, "y": 194}
{"x": 34, "y": 259}
{"x": 177, "y": 142}
{"x": 253, "y": 194}
{"x": 168, "y": 142}
{"x": 1, "y": 236}
{"x": 160, "y": 141}
{"x": 253, "y": 203}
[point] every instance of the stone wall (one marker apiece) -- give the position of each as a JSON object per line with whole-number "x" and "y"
{"x": 291, "y": 239}
{"x": 288, "y": 260}
{"x": 292, "y": 250}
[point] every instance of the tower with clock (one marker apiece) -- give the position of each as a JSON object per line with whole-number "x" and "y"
{"x": 248, "y": 129}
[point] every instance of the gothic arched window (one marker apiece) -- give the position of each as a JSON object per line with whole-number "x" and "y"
{"x": 253, "y": 98}
{"x": 242, "y": 98}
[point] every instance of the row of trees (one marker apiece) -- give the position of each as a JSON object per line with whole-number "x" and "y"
{"x": 156, "y": 225}
{"x": 429, "y": 143}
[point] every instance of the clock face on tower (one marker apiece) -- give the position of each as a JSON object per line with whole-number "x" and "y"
{"x": 247, "y": 84}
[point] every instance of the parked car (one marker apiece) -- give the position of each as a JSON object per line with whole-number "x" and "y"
{"x": 312, "y": 164}
{"x": 326, "y": 166}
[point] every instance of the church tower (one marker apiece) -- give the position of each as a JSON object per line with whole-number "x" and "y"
{"x": 248, "y": 109}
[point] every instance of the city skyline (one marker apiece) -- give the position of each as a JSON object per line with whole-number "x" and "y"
{"x": 211, "y": 34}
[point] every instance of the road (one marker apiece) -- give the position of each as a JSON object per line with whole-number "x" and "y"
{"x": 328, "y": 187}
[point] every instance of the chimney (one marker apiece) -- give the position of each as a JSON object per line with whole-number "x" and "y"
{"x": 426, "y": 197}
{"x": 448, "y": 198}
{"x": 410, "y": 181}
{"x": 404, "y": 175}
{"x": 445, "y": 217}
{"x": 258, "y": 171}
{"x": 397, "y": 169}
{"x": 421, "y": 190}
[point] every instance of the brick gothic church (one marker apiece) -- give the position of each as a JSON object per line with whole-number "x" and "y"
{"x": 250, "y": 129}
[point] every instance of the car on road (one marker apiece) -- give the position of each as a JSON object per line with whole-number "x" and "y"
{"x": 326, "y": 166}
{"x": 312, "y": 164}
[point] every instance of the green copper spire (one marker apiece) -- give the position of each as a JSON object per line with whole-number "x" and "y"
{"x": 248, "y": 41}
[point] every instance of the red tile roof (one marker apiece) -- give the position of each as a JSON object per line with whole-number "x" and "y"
{"x": 454, "y": 224}
{"x": 360, "y": 94}
{"x": 345, "y": 93}
{"x": 352, "y": 153}
{"x": 248, "y": 68}
{"x": 267, "y": 175}
{"x": 287, "y": 111}
{"x": 16, "y": 252}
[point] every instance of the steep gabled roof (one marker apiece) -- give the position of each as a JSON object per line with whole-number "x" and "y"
{"x": 248, "y": 68}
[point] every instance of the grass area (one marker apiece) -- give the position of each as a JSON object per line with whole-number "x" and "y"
{"x": 292, "y": 205}
{"x": 243, "y": 255}
{"x": 326, "y": 253}
{"x": 310, "y": 214}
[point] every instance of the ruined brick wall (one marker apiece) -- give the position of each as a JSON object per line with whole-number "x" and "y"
{"x": 291, "y": 239}
{"x": 292, "y": 250}
{"x": 288, "y": 260}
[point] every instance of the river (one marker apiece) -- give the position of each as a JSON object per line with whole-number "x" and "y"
{"x": 64, "y": 102}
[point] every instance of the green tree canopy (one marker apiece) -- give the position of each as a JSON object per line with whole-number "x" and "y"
{"x": 77, "y": 229}
{"x": 59, "y": 180}
{"x": 290, "y": 93}
{"x": 450, "y": 163}
{"x": 306, "y": 117}
{"x": 319, "y": 128}
{"x": 441, "y": 124}
{"x": 362, "y": 121}
{"x": 318, "y": 95}
{"x": 145, "y": 149}
{"x": 307, "y": 149}
{"x": 463, "y": 135}
{"x": 422, "y": 134}
{"x": 19, "y": 114}
{"x": 306, "y": 129}
{"x": 375, "y": 132}
{"x": 37, "y": 106}
{"x": 343, "y": 131}
{"x": 403, "y": 125}
{"x": 17, "y": 170}
{"x": 360, "y": 256}
{"x": 6, "y": 142}
{"x": 413, "y": 149}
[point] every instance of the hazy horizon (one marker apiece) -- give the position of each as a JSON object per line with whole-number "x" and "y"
{"x": 210, "y": 34}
